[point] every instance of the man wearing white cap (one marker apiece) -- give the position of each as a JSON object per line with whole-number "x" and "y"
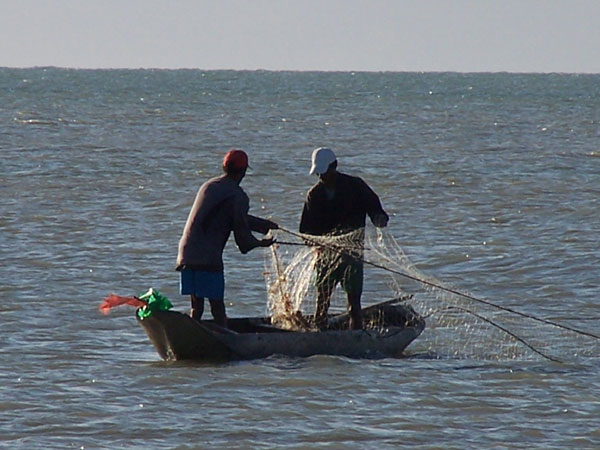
{"x": 338, "y": 204}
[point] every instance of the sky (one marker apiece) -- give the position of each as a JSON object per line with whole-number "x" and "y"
{"x": 328, "y": 35}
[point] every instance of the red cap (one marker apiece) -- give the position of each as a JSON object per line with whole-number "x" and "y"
{"x": 235, "y": 159}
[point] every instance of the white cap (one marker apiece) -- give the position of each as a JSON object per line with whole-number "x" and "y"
{"x": 322, "y": 157}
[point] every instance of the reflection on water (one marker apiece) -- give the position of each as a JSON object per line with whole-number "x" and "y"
{"x": 491, "y": 189}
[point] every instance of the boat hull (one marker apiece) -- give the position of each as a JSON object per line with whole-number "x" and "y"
{"x": 177, "y": 336}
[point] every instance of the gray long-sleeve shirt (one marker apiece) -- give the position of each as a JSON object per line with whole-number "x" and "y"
{"x": 221, "y": 206}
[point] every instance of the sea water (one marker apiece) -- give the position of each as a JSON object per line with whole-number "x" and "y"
{"x": 492, "y": 182}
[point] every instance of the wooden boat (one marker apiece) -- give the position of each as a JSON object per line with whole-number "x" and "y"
{"x": 389, "y": 328}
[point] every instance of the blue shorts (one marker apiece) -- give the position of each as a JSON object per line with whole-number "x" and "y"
{"x": 202, "y": 284}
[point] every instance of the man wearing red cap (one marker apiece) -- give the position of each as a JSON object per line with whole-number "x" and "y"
{"x": 221, "y": 206}
{"x": 338, "y": 205}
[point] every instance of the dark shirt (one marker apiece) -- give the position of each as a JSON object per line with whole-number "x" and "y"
{"x": 341, "y": 210}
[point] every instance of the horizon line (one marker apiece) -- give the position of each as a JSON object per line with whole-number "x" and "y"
{"x": 157, "y": 68}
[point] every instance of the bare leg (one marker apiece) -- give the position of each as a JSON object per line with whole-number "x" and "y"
{"x": 197, "y": 307}
{"x": 217, "y": 307}
{"x": 323, "y": 300}
{"x": 356, "y": 322}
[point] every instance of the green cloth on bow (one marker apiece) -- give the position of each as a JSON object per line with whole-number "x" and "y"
{"x": 155, "y": 301}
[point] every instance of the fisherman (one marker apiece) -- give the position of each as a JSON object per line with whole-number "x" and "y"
{"x": 221, "y": 206}
{"x": 338, "y": 205}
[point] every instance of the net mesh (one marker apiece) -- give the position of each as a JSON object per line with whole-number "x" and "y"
{"x": 457, "y": 326}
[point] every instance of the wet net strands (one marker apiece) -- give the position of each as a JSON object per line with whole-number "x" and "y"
{"x": 459, "y": 325}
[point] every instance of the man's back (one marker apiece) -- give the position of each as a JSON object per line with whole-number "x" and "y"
{"x": 219, "y": 206}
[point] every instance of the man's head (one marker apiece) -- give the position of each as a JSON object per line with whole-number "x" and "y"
{"x": 235, "y": 163}
{"x": 323, "y": 159}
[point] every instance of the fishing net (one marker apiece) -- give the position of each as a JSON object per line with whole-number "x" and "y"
{"x": 459, "y": 324}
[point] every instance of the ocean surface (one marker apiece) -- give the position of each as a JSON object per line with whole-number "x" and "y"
{"x": 492, "y": 182}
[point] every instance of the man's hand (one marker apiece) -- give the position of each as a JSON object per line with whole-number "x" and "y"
{"x": 380, "y": 220}
{"x": 265, "y": 226}
{"x": 266, "y": 242}
{"x": 271, "y": 225}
